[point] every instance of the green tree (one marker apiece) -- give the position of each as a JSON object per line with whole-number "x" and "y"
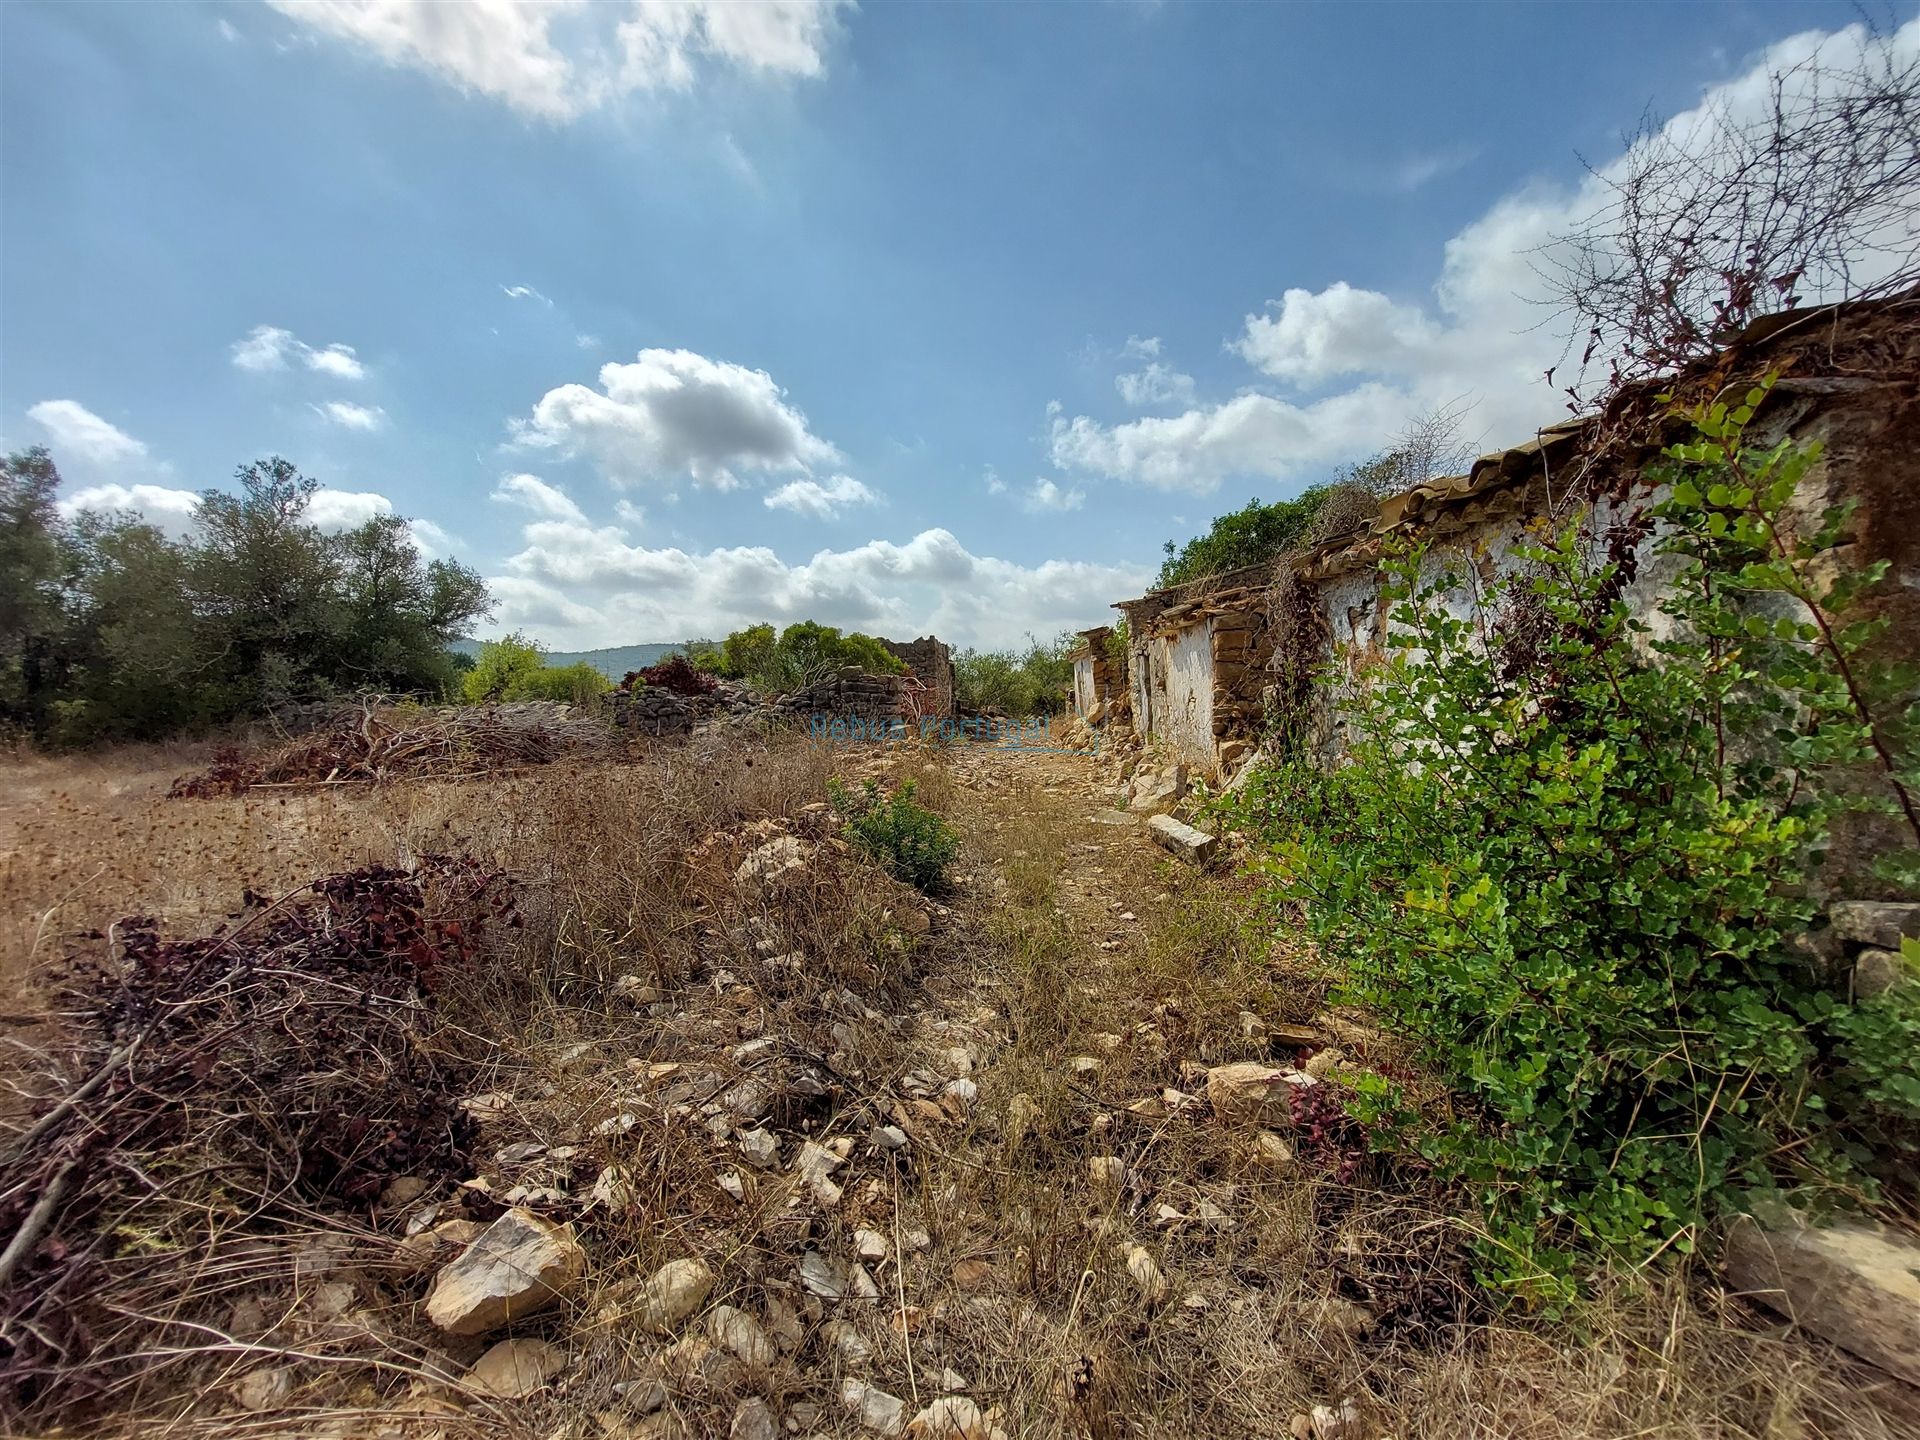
{"x": 32, "y": 573}
{"x": 137, "y": 659}
{"x": 398, "y": 613}
{"x": 1250, "y": 536}
{"x": 266, "y": 585}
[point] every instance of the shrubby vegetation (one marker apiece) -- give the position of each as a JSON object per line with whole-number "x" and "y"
{"x": 1579, "y": 904}
{"x": 1249, "y": 536}
{"x": 914, "y": 844}
{"x": 1016, "y": 683}
{"x": 1427, "y": 447}
{"x": 110, "y": 629}
{"x": 794, "y": 657}
{"x": 516, "y": 668}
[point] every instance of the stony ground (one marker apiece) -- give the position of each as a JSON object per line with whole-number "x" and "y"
{"x": 771, "y": 1145}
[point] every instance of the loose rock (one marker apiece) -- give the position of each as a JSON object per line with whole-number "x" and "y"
{"x": 267, "y": 1389}
{"x": 753, "y": 1420}
{"x": 740, "y": 1335}
{"x": 513, "y": 1369}
{"x": 1250, "y": 1092}
{"x": 873, "y": 1407}
{"x": 518, "y": 1265}
{"x": 672, "y": 1293}
{"x": 1856, "y": 1284}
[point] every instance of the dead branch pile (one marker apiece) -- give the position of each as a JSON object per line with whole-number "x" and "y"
{"x": 371, "y": 742}
{"x": 220, "y": 1085}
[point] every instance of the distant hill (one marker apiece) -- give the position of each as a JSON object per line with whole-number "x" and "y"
{"x": 613, "y": 662}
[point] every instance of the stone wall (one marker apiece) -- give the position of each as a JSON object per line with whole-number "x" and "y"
{"x": 853, "y": 697}
{"x": 931, "y": 663}
{"x": 1096, "y": 683}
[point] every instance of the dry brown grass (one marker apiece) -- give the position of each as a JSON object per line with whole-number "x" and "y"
{"x": 1336, "y": 1281}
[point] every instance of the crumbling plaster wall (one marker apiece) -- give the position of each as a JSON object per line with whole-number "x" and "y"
{"x": 1857, "y": 394}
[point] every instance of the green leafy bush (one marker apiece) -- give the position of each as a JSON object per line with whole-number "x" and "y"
{"x": 1566, "y": 860}
{"x": 914, "y": 844}
{"x": 1016, "y": 683}
{"x": 515, "y": 668}
{"x": 794, "y": 657}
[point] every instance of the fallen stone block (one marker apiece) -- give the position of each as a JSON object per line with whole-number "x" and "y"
{"x": 1856, "y": 1284}
{"x": 1196, "y": 847}
{"x": 1879, "y": 923}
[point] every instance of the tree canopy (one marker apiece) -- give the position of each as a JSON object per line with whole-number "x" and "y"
{"x": 111, "y": 629}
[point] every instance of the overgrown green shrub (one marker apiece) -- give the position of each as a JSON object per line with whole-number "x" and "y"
{"x": 914, "y": 844}
{"x": 1016, "y": 683}
{"x": 515, "y": 668}
{"x": 1566, "y": 860}
{"x": 794, "y": 657}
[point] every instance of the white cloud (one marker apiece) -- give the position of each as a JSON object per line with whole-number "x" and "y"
{"x": 587, "y": 342}
{"x": 995, "y": 485}
{"x": 1155, "y": 384}
{"x": 558, "y": 59}
{"x": 351, "y": 416}
{"x": 821, "y": 501}
{"x": 1360, "y": 363}
{"x": 158, "y": 505}
{"x": 79, "y": 434}
{"x": 530, "y": 492}
{"x": 1340, "y": 331}
{"x": 227, "y": 31}
{"x": 1251, "y": 434}
{"x": 337, "y": 510}
{"x": 525, "y": 292}
{"x": 1138, "y": 348}
{"x": 1045, "y": 495}
{"x": 577, "y": 585}
{"x": 672, "y": 413}
{"x": 431, "y": 539}
{"x": 335, "y": 360}
{"x": 268, "y": 347}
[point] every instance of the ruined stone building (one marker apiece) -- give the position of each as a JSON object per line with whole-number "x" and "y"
{"x": 1097, "y": 680}
{"x": 1201, "y": 657}
{"x": 930, "y": 661}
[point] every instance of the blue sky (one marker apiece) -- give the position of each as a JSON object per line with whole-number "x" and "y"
{"x": 912, "y": 316}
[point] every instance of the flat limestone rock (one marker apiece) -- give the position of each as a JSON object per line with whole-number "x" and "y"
{"x": 1879, "y": 923}
{"x": 1856, "y": 1284}
{"x": 1196, "y": 847}
{"x": 518, "y": 1265}
{"x": 514, "y": 1369}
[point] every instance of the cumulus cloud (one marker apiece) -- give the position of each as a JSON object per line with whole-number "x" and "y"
{"x": 158, "y": 505}
{"x": 268, "y": 347}
{"x": 1155, "y": 384}
{"x": 559, "y": 59}
{"x": 1309, "y": 338}
{"x": 821, "y": 501}
{"x": 672, "y": 414}
{"x": 530, "y": 492}
{"x": 77, "y": 433}
{"x": 337, "y": 510}
{"x": 576, "y": 585}
{"x": 350, "y": 416}
{"x": 1045, "y": 495}
{"x": 1355, "y": 364}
